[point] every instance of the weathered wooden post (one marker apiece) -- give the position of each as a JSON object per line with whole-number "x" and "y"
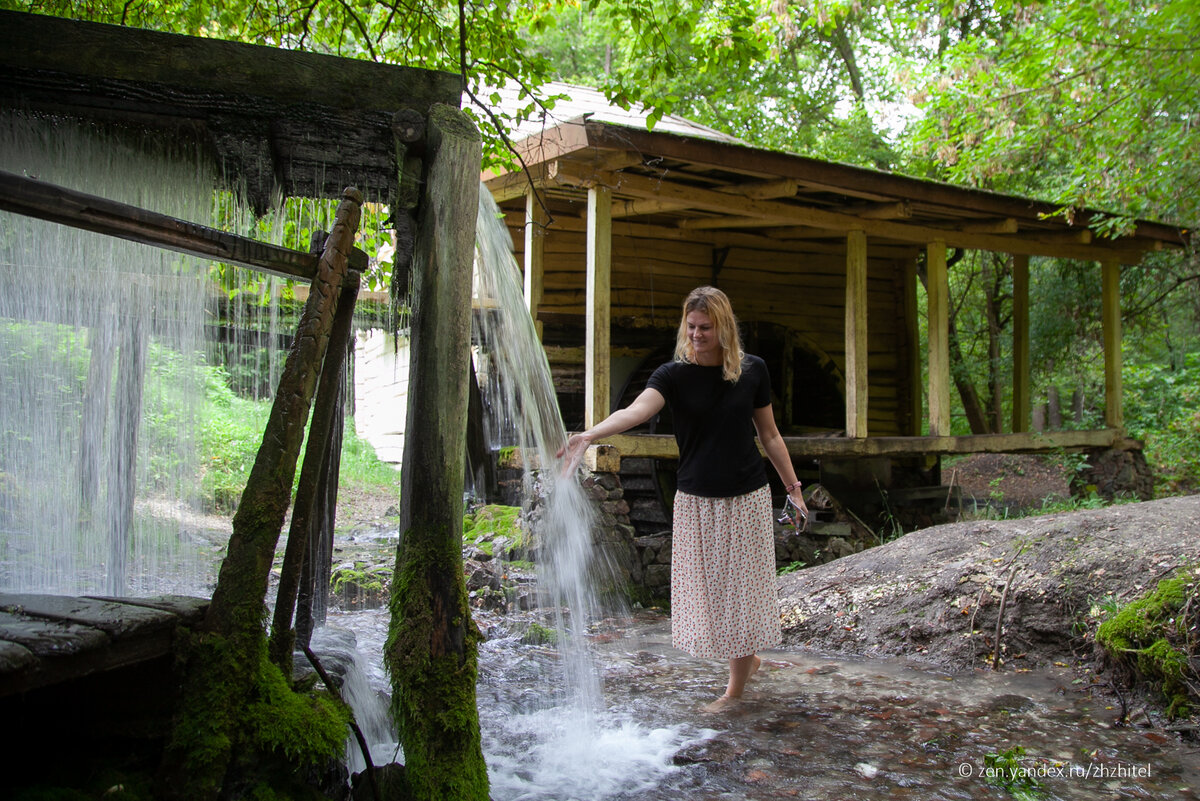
{"x": 432, "y": 643}
{"x": 226, "y": 658}
{"x": 318, "y": 451}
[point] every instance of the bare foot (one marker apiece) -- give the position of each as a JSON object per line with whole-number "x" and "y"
{"x": 754, "y": 668}
{"x": 721, "y": 704}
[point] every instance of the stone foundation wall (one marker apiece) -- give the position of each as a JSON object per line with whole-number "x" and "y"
{"x": 1112, "y": 473}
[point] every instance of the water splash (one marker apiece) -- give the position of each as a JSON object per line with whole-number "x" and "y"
{"x": 563, "y": 742}
{"x": 512, "y": 363}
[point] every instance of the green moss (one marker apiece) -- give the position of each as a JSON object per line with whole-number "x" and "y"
{"x": 538, "y": 634}
{"x": 432, "y": 655}
{"x": 272, "y": 731}
{"x": 309, "y": 730}
{"x": 491, "y": 521}
{"x": 1142, "y": 638}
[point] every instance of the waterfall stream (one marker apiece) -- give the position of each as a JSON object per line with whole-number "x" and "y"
{"x": 100, "y": 342}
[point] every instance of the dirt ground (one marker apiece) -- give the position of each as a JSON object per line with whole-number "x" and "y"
{"x": 1017, "y": 482}
{"x": 934, "y": 595}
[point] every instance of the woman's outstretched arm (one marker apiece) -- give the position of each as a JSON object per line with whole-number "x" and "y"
{"x": 649, "y": 403}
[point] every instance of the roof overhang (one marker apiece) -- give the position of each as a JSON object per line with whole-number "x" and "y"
{"x": 700, "y": 188}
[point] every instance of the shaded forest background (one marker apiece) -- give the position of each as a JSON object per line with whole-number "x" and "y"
{"x": 1079, "y": 102}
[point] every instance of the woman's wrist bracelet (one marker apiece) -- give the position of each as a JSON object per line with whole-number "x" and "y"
{"x": 790, "y": 487}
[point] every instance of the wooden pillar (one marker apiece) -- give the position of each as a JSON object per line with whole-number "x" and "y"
{"x": 535, "y": 250}
{"x": 912, "y": 330}
{"x": 856, "y": 334}
{"x": 1020, "y": 347}
{"x": 432, "y": 647}
{"x": 597, "y": 349}
{"x": 1110, "y": 312}
{"x": 938, "y": 298}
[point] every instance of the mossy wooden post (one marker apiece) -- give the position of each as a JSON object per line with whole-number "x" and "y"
{"x": 321, "y": 436}
{"x": 225, "y": 659}
{"x": 432, "y": 644}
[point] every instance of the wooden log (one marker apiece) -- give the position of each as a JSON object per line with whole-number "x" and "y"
{"x": 91, "y": 213}
{"x": 432, "y": 648}
{"x": 318, "y": 452}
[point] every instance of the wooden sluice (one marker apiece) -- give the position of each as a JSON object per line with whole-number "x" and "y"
{"x": 52, "y": 640}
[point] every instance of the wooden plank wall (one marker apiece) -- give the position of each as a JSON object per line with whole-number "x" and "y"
{"x": 801, "y": 292}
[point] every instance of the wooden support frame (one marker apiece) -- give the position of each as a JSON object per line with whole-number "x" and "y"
{"x": 536, "y": 219}
{"x": 662, "y": 446}
{"x": 597, "y": 347}
{"x": 1020, "y": 345}
{"x": 937, "y": 287}
{"x": 1110, "y": 313}
{"x": 100, "y": 215}
{"x": 856, "y": 334}
{"x": 913, "y": 336}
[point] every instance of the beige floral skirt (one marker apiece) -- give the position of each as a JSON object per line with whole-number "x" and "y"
{"x": 724, "y": 602}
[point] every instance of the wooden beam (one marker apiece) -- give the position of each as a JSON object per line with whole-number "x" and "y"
{"x": 855, "y": 333}
{"x": 597, "y": 367}
{"x": 912, "y": 331}
{"x": 1046, "y": 243}
{"x": 1003, "y": 225}
{"x": 662, "y": 446}
{"x": 1020, "y": 348}
{"x": 59, "y": 204}
{"x": 890, "y": 210}
{"x": 535, "y": 250}
{"x": 937, "y": 305}
{"x": 511, "y": 185}
{"x": 1110, "y": 312}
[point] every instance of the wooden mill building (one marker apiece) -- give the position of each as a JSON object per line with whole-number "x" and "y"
{"x": 614, "y": 224}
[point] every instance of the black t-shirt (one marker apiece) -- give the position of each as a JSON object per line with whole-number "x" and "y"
{"x": 714, "y": 425}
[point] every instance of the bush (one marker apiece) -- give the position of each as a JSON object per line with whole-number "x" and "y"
{"x": 1162, "y": 407}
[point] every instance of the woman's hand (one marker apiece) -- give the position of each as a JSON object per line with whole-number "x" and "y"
{"x": 796, "y": 501}
{"x": 572, "y": 453}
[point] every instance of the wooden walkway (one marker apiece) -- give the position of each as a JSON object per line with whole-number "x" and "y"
{"x": 48, "y": 639}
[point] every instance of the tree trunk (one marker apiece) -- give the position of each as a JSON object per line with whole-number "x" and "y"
{"x": 432, "y": 643}
{"x": 223, "y": 662}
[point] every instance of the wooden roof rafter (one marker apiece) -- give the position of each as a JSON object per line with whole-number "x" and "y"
{"x": 699, "y": 185}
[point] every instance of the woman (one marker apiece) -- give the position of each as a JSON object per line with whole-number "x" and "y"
{"x": 723, "y": 599}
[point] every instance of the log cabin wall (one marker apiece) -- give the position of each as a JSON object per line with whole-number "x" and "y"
{"x": 791, "y": 306}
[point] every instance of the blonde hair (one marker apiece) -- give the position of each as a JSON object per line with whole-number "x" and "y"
{"x": 716, "y": 305}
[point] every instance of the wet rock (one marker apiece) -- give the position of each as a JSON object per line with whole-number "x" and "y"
{"x": 719, "y": 752}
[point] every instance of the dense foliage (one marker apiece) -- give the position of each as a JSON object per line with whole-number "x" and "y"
{"x": 1085, "y": 104}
